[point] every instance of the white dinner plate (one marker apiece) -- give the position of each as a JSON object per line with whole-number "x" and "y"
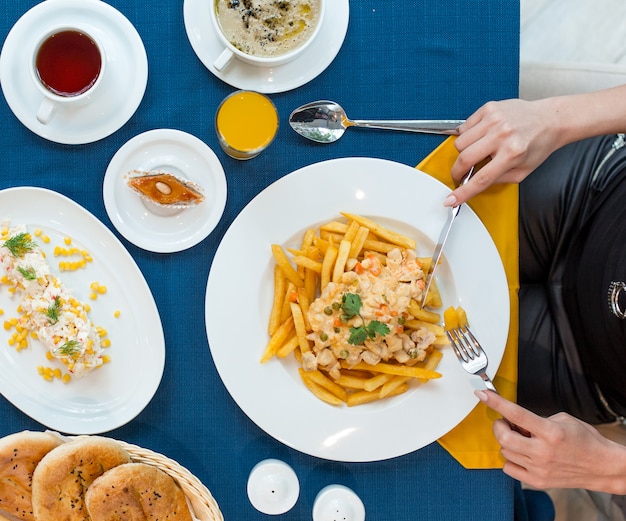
{"x": 119, "y": 93}
{"x": 272, "y": 394}
{"x": 178, "y": 153}
{"x": 115, "y": 393}
{"x": 307, "y": 66}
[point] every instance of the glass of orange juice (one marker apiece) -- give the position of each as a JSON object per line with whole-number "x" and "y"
{"x": 246, "y": 123}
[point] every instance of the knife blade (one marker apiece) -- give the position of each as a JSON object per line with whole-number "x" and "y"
{"x": 443, "y": 237}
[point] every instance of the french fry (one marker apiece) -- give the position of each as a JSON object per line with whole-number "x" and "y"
{"x": 358, "y": 242}
{"x": 432, "y": 362}
{"x": 433, "y": 299}
{"x": 280, "y": 287}
{"x": 450, "y": 318}
{"x": 307, "y": 239}
{"x": 462, "y": 315}
{"x": 285, "y": 265}
{"x": 436, "y": 329}
{"x": 400, "y": 370}
{"x": 362, "y": 397}
{"x": 327, "y": 266}
{"x": 303, "y": 301}
{"x": 290, "y": 296}
{"x": 377, "y": 381}
{"x": 278, "y": 339}
{"x": 352, "y": 382}
{"x": 392, "y": 385}
{"x": 382, "y": 232}
{"x": 288, "y": 347}
{"x": 318, "y": 390}
{"x": 340, "y": 261}
{"x": 306, "y": 262}
{"x": 323, "y": 381}
{"x": 335, "y": 227}
{"x": 298, "y": 322}
{"x": 350, "y": 232}
{"x": 423, "y": 314}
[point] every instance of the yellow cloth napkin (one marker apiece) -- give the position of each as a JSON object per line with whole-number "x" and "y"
{"x": 472, "y": 442}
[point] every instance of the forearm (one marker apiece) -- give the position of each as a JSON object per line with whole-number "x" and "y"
{"x": 579, "y": 116}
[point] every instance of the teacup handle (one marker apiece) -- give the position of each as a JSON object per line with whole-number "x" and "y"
{"x": 223, "y": 59}
{"x": 46, "y": 110}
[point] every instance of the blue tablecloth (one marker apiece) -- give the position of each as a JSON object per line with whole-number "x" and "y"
{"x": 401, "y": 59}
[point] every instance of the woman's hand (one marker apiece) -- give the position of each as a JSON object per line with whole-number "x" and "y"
{"x": 517, "y": 135}
{"x": 562, "y": 452}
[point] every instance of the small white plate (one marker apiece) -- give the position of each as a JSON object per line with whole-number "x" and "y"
{"x": 114, "y": 394}
{"x": 296, "y": 73}
{"x": 186, "y": 157}
{"x": 120, "y": 92}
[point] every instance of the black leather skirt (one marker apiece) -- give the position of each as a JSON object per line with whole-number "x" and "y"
{"x": 556, "y": 202}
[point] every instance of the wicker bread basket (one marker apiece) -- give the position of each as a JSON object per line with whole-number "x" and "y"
{"x": 202, "y": 505}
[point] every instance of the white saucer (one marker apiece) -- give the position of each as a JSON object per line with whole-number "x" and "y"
{"x": 296, "y": 73}
{"x": 120, "y": 92}
{"x": 178, "y": 153}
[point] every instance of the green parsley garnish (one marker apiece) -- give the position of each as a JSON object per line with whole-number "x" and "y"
{"x": 351, "y": 306}
{"x": 71, "y": 348}
{"x": 53, "y": 310}
{"x": 20, "y": 244}
{"x": 27, "y": 273}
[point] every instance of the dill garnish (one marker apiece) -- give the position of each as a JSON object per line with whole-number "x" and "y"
{"x": 20, "y": 244}
{"x": 27, "y": 273}
{"x": 53, "y": 310}
{"x": 71, "y": 348}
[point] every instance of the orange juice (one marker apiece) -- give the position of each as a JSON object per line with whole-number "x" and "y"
{"x": 246, "y": 123}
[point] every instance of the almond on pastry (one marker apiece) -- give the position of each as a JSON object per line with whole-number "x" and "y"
{"x": 165, "y": 189}
{"x": 136, "y": 492}
{"x": 63, "y": 476}
{"x": 20, "y": 454}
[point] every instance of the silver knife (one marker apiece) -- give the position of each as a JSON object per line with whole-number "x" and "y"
{"x": 443, "y": 237}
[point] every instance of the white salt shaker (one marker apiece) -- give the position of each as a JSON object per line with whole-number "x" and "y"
{"x": 338, "y": 503}
{"x": 273, "y": 487}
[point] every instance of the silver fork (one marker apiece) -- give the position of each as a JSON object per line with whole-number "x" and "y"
{"x": 474, "y": 360}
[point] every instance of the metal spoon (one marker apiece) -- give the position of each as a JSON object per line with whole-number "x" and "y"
{"x": 325, "y": 122}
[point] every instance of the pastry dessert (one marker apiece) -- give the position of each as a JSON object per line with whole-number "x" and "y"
{"x": 165, "y": 189}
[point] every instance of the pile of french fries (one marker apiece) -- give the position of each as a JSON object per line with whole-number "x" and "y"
{"x": 300, "y": 275}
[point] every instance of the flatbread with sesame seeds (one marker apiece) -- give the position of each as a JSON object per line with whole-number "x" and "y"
{"x": 20, "y": 453}
{"x": 136, "y": 492}
{"x": 62, "y": 478}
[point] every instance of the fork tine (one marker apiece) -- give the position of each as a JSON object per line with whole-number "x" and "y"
{"x": 459, "y": 344}
{"x": 454, "y": 341}
{"x": 472, "y": 342}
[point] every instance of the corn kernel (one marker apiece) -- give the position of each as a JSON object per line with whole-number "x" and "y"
{"x": 57, "y": 373}
{"x": 106, "y": 343}
{"x": 66, "y": 378}
{"x": 45, "y": 239}
{"x": 106, "y": 359}
{"x": 93, "y": 296}
{"x": 67, "y": 240}
{"x": 37, "y": 232}
{"x": 116, "y": 313}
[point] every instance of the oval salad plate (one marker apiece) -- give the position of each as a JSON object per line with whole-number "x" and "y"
{"x": 113, "y": 394}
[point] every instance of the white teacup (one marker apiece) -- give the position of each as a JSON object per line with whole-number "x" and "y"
{"x": 67, "y": 65}
{"x": 261, "y": 58}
